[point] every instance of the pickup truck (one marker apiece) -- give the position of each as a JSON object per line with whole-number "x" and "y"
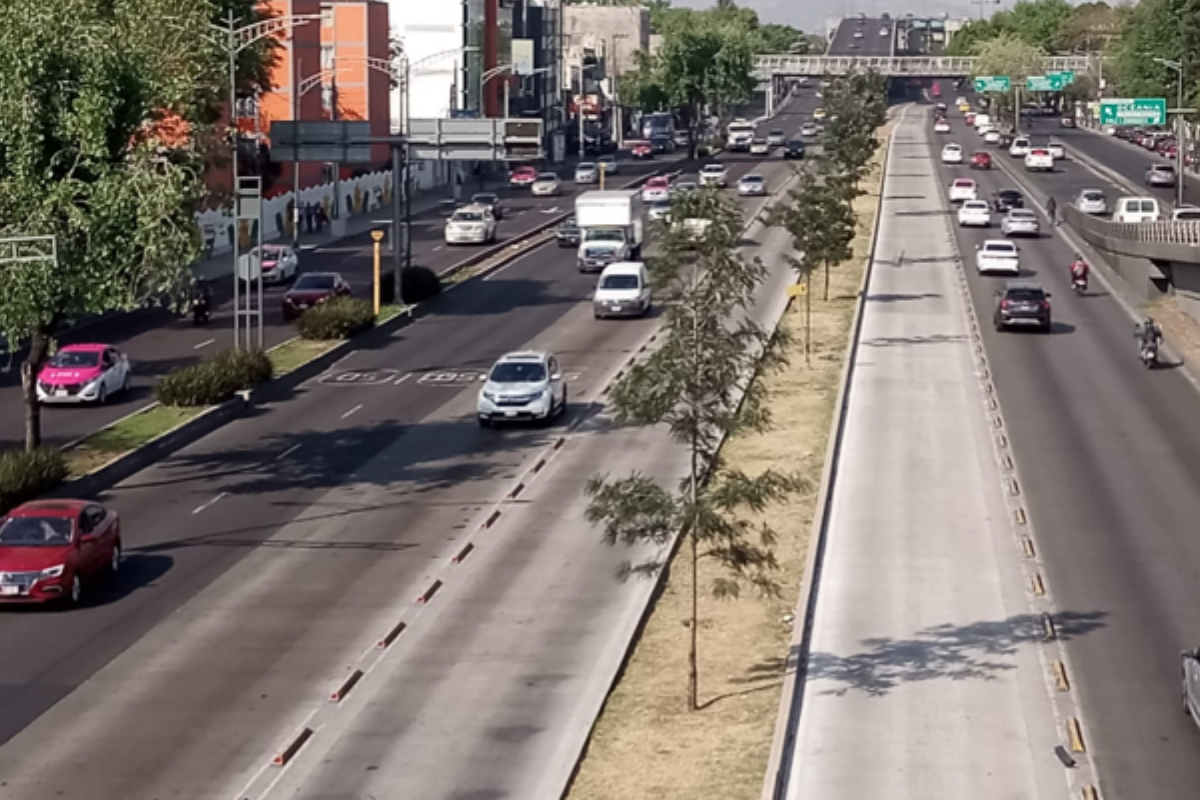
{"x": 1039, "y": 159}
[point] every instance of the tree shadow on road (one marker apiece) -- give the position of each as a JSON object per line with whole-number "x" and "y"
{"x": 978, "y": 651}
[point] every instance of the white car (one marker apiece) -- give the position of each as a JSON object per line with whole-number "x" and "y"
{"x": 608, "y": 164}
{"x": 858, "y": 34}
{"x": 587, "y": 172}
{"x": 884, "y": 31}
{"x": 523, "y": 386}
{"x": 974, "y": 214}
{"x": 997, "y": 255}
{"x": 1057, "y": 150}
{"x": 279, "y": 263}
{"x": 809, "y": 130}
{"x": 991, "y": 136}
{"x": 952, "y": 154}
{"x": 1185, "y": 214}
{"x": 1091, "y": 201}
{"x": 1020, "y": 222}
{"x": 657, "y": 188}
{"x": 1039, "y": 160}
{"x": 472, "y": 224}
{"x": 658, "y": 210}
{"x": 941, "y": 126}
{"x": 962, "y": 190}
{"x": 776, "y": 139}
{"x": 714, "y": 175}
{"x": 759, "y": 147}
{"x": 752, "y": 185}
{"x": 546, "y": 185}
{"x": 1019, "y": 147}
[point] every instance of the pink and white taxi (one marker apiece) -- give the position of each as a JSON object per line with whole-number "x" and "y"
{"x": 84, "y": 373}
{"x": 656, "y": 189}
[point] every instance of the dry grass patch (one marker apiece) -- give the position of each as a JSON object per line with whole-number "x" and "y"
{"x": 646, "y": 744}
{"x": 1180, "y": 328}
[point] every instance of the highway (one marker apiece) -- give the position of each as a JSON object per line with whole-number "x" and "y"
{"x": 265, "y": 563}
{"x": 1108, "y": 456}
{"x": 159, "y": 342}
{"x": 924, "y": 676}
{"x": 871, "y": 43}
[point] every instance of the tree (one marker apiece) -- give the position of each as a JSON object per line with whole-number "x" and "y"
{"x": 857, "y": 107}
{"x": 710, "y": 348}
{"x": 84, "y": 87}
{"x": 820, "y": 218}
{"x": 1157, "y": 29}
{"x": 1041, "y": 23}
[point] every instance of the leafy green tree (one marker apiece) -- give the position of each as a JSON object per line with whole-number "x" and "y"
{"x": 857, "y": 107}
{"x": 774, "y": 38}
{"x": 690, "y": 385}
{"x": 1041, "y": 23}
{"x": 83, "y": 86}
{"x": 1152, "y": 29}
{"x": 819, "y": 215}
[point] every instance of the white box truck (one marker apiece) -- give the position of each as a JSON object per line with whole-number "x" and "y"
{"x": 611, "y": 227}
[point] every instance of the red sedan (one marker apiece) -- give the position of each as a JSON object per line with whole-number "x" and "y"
{"x": 49, "y": 549}
{"x": 981, "y": 161}
{"x": 522, "y": 176}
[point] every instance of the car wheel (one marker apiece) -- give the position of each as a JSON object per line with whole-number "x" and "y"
{"x": 125, "y": 383}
{"x": 75, "y": 593}
{"x": 102, "y": 397}
{"x": 114, "y": 561}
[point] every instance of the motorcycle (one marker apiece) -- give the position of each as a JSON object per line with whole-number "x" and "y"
{"x": 201, "y": 310}
{"x": 1079, "y": 283}
{"x": 1149, "y": 354}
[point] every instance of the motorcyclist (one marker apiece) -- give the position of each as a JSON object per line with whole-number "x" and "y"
{"x": 1079, "y": 268}
{"x": 1148, "y": 333}
{"x": 201, "y": 298}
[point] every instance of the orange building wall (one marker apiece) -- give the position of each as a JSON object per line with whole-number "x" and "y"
{"x": 360, "y": 32}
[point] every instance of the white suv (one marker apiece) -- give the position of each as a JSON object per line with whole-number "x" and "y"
{"x": 523, "y": 386}
{"x": 473, "y": 224}
{"x": 714, "y": 175}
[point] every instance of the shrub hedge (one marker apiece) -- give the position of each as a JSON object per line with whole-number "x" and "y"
{"x": 24, "y": 476}
{"x": 418, "y": 283}
{"x": 339, "y": 318}
{"x": 215, "y": 379}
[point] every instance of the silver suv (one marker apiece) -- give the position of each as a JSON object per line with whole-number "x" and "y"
{"x": 523, "y": 387}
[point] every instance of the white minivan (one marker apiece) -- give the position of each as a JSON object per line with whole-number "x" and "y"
{"x": 1137, "y": 209}
{"x": 622, "y": 291}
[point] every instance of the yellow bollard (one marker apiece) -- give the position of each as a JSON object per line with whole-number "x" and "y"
{"x": 378, "y": 237}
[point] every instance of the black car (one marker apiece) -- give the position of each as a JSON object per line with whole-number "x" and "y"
{"x": 794, "y": 149}
{"x": 491, "y": 201}
{"x": 1022, "y": 304}
{"x": 1007, "y": 199}
{"x": 1005, "y": 141}
{"x": 662, "y": 144}
{"x": 568, "y": 233}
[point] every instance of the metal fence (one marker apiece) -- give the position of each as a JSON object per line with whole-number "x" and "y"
{"x": 766, "y": 66}
{"x": 1177, "y": 242}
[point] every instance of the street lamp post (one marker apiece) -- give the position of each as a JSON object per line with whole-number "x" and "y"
{"x": 1180, "y": 144}
{"x": 236, "y": 39}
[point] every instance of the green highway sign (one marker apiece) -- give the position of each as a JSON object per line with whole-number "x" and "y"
{"x": 993, "y": 83}
{"x": 1068, "y": 77}
{"x": 1139, "y": 111}
{"x": 1046, "y": 83}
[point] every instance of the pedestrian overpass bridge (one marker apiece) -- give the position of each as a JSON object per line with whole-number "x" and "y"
{"x": 768, "y": 67}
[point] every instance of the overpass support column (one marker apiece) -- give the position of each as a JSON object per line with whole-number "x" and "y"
{"x": 771, "y": 96}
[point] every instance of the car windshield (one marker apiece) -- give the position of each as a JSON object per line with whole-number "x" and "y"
{"x": 657, "y": 183}
{"x": 601, "y": 235}
{"x": 484, "y": 199}
{"x": 1026, "y": 295}
{"x": 1000, "y": 248}
{"x": 75, "y": 358}
{"x": 548, "y": 177}
{"x": 314, "y": 282}
{"x": 569, "y": 222}
{"x": 796, "y": 144}
{"x": 1008, "y": 194}
{"x": 1163, "y": 168}
{"x": 964, "y": 184}
{"x": 585, "y": 167}
{"x": 660, "y": 204}
{"x": 975, "y": 205}
{"x": 1187, "y": 214}
{"x": 268, "y": 251}
{"x": 752, "y": 179}
{"x": 468, "y": 216}
{"x": 518, "y": 372}
{"x": 619, "y": 282}
{"x": 1093, "y": 196}
{"x": 35, "y": 532}
{"x": 714, "y": 168}
{"x": 1021, "y": 213}
{"x": 776, "y": 133}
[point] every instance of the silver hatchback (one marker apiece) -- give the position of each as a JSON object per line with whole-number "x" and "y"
{"x": 1160, "y": 175}
{"x": 587, "y": 172}
{"x": 1091, "y": 201}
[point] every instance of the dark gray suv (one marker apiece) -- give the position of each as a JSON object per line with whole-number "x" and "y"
{"x": 1022, "y": 304}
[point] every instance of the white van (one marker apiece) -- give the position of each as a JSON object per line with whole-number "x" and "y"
{"x": 1137, "y": 209}
{"x": 622, "y": 291}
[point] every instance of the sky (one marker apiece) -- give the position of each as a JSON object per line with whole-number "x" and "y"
{"x": 811, "y": 15}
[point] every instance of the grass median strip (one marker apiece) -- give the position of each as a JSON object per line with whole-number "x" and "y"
{"x": 646, "y": 744}
{"x": 295, "y": 353}
{"x": 126, "y": 435}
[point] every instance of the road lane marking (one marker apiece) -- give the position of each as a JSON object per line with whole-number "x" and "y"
{"x": 439, "y": 247}
{"x": 211, "y": 503}
{"x": 403, "y": 378}
{"x": 352, "y": 411}
{"x": 205, "y": 343}
{"x": 289, "y": 451}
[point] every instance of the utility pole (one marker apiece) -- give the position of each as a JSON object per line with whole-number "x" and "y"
{"x": 297, "y": 80}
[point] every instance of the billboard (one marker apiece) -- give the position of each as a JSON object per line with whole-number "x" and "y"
{"x": 522, "y": 56}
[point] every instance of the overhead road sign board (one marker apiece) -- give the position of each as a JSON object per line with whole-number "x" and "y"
{"x": 1136, "y": 111}
{"x": 993, "y": 83}
{"x": 475, "y": 139}
{"x": 333, "y": 142}
{"x": 1045, "y": 83}
{"x": 1067, "y": 76}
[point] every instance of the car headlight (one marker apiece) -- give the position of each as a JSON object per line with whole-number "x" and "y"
{"x": 489, "y": 396}
{"x": 52, "y": 572}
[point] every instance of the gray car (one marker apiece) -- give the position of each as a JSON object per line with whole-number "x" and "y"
{"x": 752, "y": 185}
{"x": 587, "y": 172}
{"x": 1092, "y": 201}
{"x": 1020, "y": 222}
{"x": 1160, "y": 175}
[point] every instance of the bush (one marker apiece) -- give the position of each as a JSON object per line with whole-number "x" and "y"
{"x": 419, "y": 284}
{"x": 24, "y": 476}
{"x": 214, "y": 380}
{"x": 339, "y": 318}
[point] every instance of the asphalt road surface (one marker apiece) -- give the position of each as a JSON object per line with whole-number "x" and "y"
{"x": 265, "y": 561}
{"x": 870, "y": 44}
{"x": 924, "y": 676}
{"x": 1109, "y": 456}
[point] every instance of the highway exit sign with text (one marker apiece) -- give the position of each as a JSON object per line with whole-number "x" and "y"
{"x": 993, "y": 83}
{"x": 1138, "y": 111}
{"x": 1045, "y": 83}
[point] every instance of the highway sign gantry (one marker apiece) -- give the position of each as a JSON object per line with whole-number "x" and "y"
{"x": 1133, "y": 111}
{"x": 993, "y": 83}
{"x": 1053, "y": 82}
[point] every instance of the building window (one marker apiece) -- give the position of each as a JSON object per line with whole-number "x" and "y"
{"x": 328, "y": 57}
